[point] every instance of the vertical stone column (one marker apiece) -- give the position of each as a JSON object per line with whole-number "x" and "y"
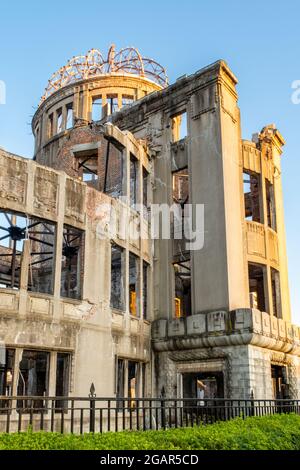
{"x": 52, "y": 374}
{"x": 267, "y": 275}
{"x": 85, "y": 102}
{"x": 271, "y": 143}
{"x": 218, "y": 269}
{"x": 59, "y": 245}
{"x": 162, "y": 194}
{"x": 278, "y": 142}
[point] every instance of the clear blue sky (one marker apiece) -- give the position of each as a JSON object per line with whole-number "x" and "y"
{"x": 259, "y": 40}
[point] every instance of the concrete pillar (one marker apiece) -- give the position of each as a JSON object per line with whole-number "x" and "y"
{"x": 76, "y": 103}
{"x": 85, "y": 103}
{"x": 25, "y": 260}
{"x": 267, "y": 272}
{"x": 52, "y": 374}
{"x": 283, "y": 260}
{"x": 163, "y": 272}
{"x": 218, "y": 269}
{"x": 59, "y": 245}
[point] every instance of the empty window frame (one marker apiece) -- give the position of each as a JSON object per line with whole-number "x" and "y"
{"x": 72, "y": 263}
{"x": 181, "y": 186}
{"x": 145, "y": 194}
{"x": 112, "y": 101}
{"x": 14, "y": 229}
{"x": 271, "y": 208}
{"x": 117, "y": 297}
{"x": 12, "y": 234}
{"x": 257, "y": 286}
{"x": 33, "y": 377}
{"x": 87, "y": 165}
{"x": 134, "y": 290}
{"x": 183, "y": 298}
{"x": 62, "y": 379}
{"x": 179, "y": 127}
{"x": 97, "y": 108}
{"x": 127, "y": 100}
{"x": 276, "y": 293}
{"x": 7, "y": 358}
{"x": 133, "y": 382}
{"x": 42, "y": 236}
{"x": 134, "y": 171}
{"x": 69, "y": 119}
{"x": 113, "y": 170}
{"x": 50, "y": 129}
{"x": 145, "y": 289}
{"x": 252, "y": 197}
{"x": 120, "y": 377}
{"x": 59, "y": 121}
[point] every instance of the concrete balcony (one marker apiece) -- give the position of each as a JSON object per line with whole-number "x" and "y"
{"x": 260, "y": 241}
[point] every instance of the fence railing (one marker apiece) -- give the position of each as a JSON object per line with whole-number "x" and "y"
{"x": 93, "y": 414}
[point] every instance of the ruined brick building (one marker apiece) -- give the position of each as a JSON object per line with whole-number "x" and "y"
{"x": 83, "y": 299}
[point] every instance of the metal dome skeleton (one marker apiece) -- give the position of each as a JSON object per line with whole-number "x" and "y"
{"x": 93, "y": 64}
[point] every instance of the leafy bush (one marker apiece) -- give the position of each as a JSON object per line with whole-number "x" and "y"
{"x": 280, "y": 432}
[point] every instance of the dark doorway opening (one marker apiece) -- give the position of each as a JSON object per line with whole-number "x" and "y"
{"x": 279, "y": 382}
{"x": 203, "y": 386}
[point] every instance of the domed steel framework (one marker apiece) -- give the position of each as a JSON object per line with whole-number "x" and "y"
{"x": 126, "y": 61}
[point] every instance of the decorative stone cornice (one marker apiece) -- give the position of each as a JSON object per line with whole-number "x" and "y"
{"x": 221, "y": 329}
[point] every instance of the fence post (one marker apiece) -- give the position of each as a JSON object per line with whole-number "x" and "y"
{"x": 163, "y": 409}
{"x": 92, "y": 396}
{"x": 252, "y": 403}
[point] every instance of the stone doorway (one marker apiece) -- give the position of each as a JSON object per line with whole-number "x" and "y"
{"x": 203, "y": 385}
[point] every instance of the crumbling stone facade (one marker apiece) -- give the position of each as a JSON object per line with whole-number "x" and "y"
{"x": 218, "y": 312}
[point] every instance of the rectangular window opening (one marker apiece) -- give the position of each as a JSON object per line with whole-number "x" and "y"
{"x": 112, "y": 101}
{"x": 276, "y": 294}
{"x": 33, "y": 378}
{"x": 59, "y": 120}
{"x": 134, "y": 165}
{"x": 181, "y": 186}
{"x": 12, "y": 236}
{"x": 133, "y": 382}
{"x": 97, "y": 109}
{"x": 257, "y": 284}
{"x": 62, "y": 380}
{"x": 120, "y": 377}
{"x": 39, "y": 254}
{"x": 179, "y": 127}
{"x": 113, "y": 170}
{"x": 87, "y": 165}
{"x": 145, "y": 194}
{"x": 145, "y": 289}
{"x": 50, "y": 126}
{"x": 127, "y": 100}
{"x": 42, "y": 237}
{"x": 271, "y": 209}
{"x": 72, "y": 263}
{"x": 252, "y": 197}
{"x": 117, "y": 298}
{"x": 7, "y": 358}
{"x": 133, "y": 285}
{"x": 183, "y": 298}
{"x": 69, "y": 121}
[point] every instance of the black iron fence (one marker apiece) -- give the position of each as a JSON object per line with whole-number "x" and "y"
{"x": 93, "y": 414}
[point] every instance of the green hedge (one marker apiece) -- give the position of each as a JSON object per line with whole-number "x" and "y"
{"x": 280, "y": 432}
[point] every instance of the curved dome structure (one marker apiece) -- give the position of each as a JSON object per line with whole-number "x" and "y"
{"x": 126, "y": 61}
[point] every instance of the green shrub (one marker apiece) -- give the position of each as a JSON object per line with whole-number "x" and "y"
{"x": 280, "y": 432}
